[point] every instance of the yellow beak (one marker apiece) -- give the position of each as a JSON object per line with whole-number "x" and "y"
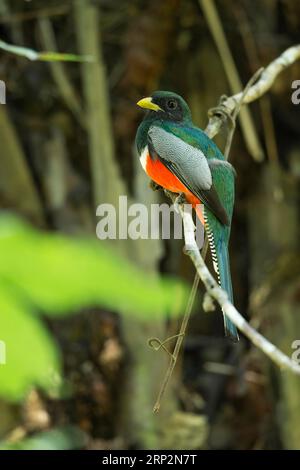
{"x": 147, "y": 103}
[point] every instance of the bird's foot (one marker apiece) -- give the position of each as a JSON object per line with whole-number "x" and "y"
{"x": 154, "y": 186}
{"x": 179, "y": 201}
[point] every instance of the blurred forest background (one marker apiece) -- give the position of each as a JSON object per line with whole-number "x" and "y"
{"x": 76, "y": 313}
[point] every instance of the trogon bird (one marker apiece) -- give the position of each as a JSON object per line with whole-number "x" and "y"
{"x": 181, "y": 158}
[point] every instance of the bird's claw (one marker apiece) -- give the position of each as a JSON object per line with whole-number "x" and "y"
{"x": 179, "y": 201}
{"x": 154, "y": 186}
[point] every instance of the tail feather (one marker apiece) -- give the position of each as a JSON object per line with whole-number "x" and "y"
{"x": 225, "y": 282}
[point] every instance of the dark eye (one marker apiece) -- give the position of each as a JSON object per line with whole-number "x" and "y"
{"x": 171, "y": 105}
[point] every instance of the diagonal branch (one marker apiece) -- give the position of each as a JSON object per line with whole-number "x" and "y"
{"x": 265, "y": 82}
{"x": 213, "y": 289}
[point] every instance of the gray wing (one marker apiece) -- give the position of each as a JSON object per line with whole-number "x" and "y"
{"x": 190, "y": 166}
{"x": 177, "y": 153}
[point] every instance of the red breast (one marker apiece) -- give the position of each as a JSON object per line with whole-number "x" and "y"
{"x": 160, "y": 174}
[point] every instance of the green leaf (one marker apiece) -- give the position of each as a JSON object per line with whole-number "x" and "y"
{"x": 57, "y": 275}
{"x": 31, "y": 356}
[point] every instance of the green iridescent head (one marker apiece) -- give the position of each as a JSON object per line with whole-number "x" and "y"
{"x": 166, "y": 106}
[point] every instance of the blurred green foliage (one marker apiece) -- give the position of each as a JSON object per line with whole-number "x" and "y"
{"x": 48, "y": 273}
{"x": 65, "y": 438}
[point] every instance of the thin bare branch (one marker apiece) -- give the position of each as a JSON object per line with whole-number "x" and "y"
{"x": 237, "y": 110}
{"x": 213, "y": 289}
{"x": 265, "y": 82}
{"x": 180, "y": 337}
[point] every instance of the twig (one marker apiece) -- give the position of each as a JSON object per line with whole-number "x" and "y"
{"x": 237, "y": 110}
{"x": 182, "y": 332}
{"x": 265, "y": 82}
{"x": 180, "y": 337}
{"x": 46, "y": 56}
{"x": 213, "y": 289}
